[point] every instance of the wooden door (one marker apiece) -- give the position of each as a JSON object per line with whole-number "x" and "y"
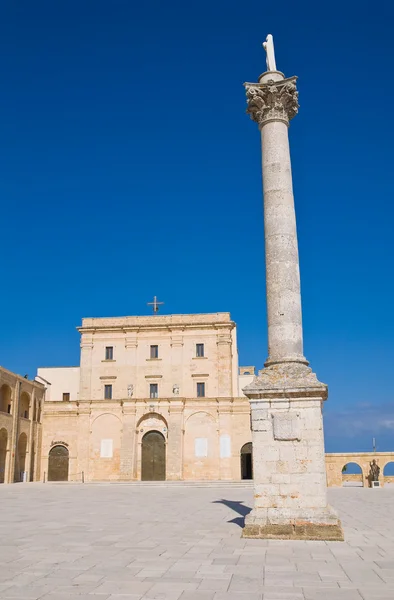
{"x": 153, "y": 457}
{"x": 58, "y": 464}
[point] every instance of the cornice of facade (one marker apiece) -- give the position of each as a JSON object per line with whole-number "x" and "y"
{"x": 170, "y": 323}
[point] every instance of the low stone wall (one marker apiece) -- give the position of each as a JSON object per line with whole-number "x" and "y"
{"x": 335, "y": 463}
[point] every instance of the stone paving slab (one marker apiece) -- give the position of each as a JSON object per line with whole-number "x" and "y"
{"x": 165, "y": 542}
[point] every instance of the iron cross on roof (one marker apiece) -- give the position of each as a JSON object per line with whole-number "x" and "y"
{"x": 155, "y": 304}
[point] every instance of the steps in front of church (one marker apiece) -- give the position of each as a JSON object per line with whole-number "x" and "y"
{"x": 204, "y": 484}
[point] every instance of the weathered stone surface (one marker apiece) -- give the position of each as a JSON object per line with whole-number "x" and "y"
{"x": 278, "y": 380}
{"x": 308, "y": 531}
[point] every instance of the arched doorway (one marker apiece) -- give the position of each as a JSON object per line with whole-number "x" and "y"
{"x": 24, "y": 405}
{"x": 153, "y": 457}
{"x": 388, "y": 474}
{"x": 5, "y": 399}
{"x": 58, "y": 464}
{"x": 3, "y": 453}
{"x": 352, "y": 475}
{"x": 21, "y": 463}
{"x": 247, "y": 461}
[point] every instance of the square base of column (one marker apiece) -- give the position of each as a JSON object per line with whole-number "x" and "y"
{"x": 308, "y": 527}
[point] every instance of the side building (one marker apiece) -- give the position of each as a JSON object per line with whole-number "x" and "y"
{"x": 21, "y": 404}
{"x": 154, "y": 398}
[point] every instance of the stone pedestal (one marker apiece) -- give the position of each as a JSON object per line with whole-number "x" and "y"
{"x": 290, "y": 489}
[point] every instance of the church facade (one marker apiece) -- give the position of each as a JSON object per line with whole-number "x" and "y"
{"x": 154, "y": 398}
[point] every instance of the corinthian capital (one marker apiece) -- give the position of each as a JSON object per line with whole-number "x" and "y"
{"x": 272, "y": 101}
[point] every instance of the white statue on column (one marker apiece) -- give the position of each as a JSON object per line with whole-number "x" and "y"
{"x": 130, "y": 390}
{"x": 268, "y": 46}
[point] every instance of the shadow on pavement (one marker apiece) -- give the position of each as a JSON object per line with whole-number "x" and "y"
{"x": 238, "y": 507}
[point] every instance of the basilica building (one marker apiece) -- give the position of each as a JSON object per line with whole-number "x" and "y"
{"x": 154, "y": 398}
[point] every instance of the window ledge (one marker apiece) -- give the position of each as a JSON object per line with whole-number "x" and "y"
{"x": 153, "y": 359}
{"x": 108, "y": 360}
{"x": 200, "y": 357}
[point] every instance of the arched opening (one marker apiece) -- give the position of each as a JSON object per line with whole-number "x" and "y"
{"x": 22, "y": 449}
{"x": 153, "y": 457}
{"x": 388, "y": 474}
{"x": 352, "y": 475}
{"x": 3, "y": 453}
{"x": 5, "y": 399}
{"x": 24, "y": 405}
{"x": 58, "y": 464}
{"x": 247, "y": 461}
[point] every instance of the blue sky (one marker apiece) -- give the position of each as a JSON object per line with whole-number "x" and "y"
{"x": 129, "y": 168}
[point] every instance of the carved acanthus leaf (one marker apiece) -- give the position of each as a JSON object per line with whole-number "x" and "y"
{"x": 272, "y": 101}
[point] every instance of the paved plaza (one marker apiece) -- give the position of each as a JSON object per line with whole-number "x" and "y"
{"x": 183, "y": 541}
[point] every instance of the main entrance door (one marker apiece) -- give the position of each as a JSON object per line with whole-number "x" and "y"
{"x": 153, "y": 457}
{"x": 58, "y": 464}
{"x": 246, "y": 461}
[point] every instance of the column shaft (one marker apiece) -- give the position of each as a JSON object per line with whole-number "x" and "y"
{"x": 281, "y": 248}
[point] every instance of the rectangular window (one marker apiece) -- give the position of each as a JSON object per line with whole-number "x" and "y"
{"x": 153, "y": 390}
{"x": 109, "y": 353}
{"x": 108, "y": 392}
{"x": 200, "y": 350}
{"x": 66, "y": 397}
{"x": 200, "y": 390}
{"x": 26, "y": 414}
{"x": 154, "y": 351}
{"x": 9, "y": 409}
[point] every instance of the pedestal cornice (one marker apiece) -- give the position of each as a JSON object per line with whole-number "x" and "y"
{"x": 286, "y": 380}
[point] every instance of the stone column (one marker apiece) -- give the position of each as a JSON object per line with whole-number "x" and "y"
{"x": 290, "y": 490}
{"x": 13, "y": 474}
{"x": 30, "y": 455}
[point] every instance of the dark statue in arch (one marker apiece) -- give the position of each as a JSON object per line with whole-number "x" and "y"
{"x": 374, "y": 471}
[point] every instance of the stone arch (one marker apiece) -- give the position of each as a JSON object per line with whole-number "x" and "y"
{"x": 201, "y": 447}
{"x": 58, "y": 463}
{"x": 20, "y": 463}
{"x": 246, "y": 457}
{"x": 152, "y": 420}
{"x": 352, "y": 474}
{"x": 5, "y": 399}
{"x": 105, "y": 445}
{"x": 200, "y": 412}
{"x": 3, "y": 453}
{"x": 24, "y": 405}
{"x": 387, "y": 474}
{"x": 153, "y": 456}
{"x": 104, "y": 414}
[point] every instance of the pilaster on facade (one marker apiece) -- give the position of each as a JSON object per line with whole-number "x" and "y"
{"x": 85, "y": 388}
